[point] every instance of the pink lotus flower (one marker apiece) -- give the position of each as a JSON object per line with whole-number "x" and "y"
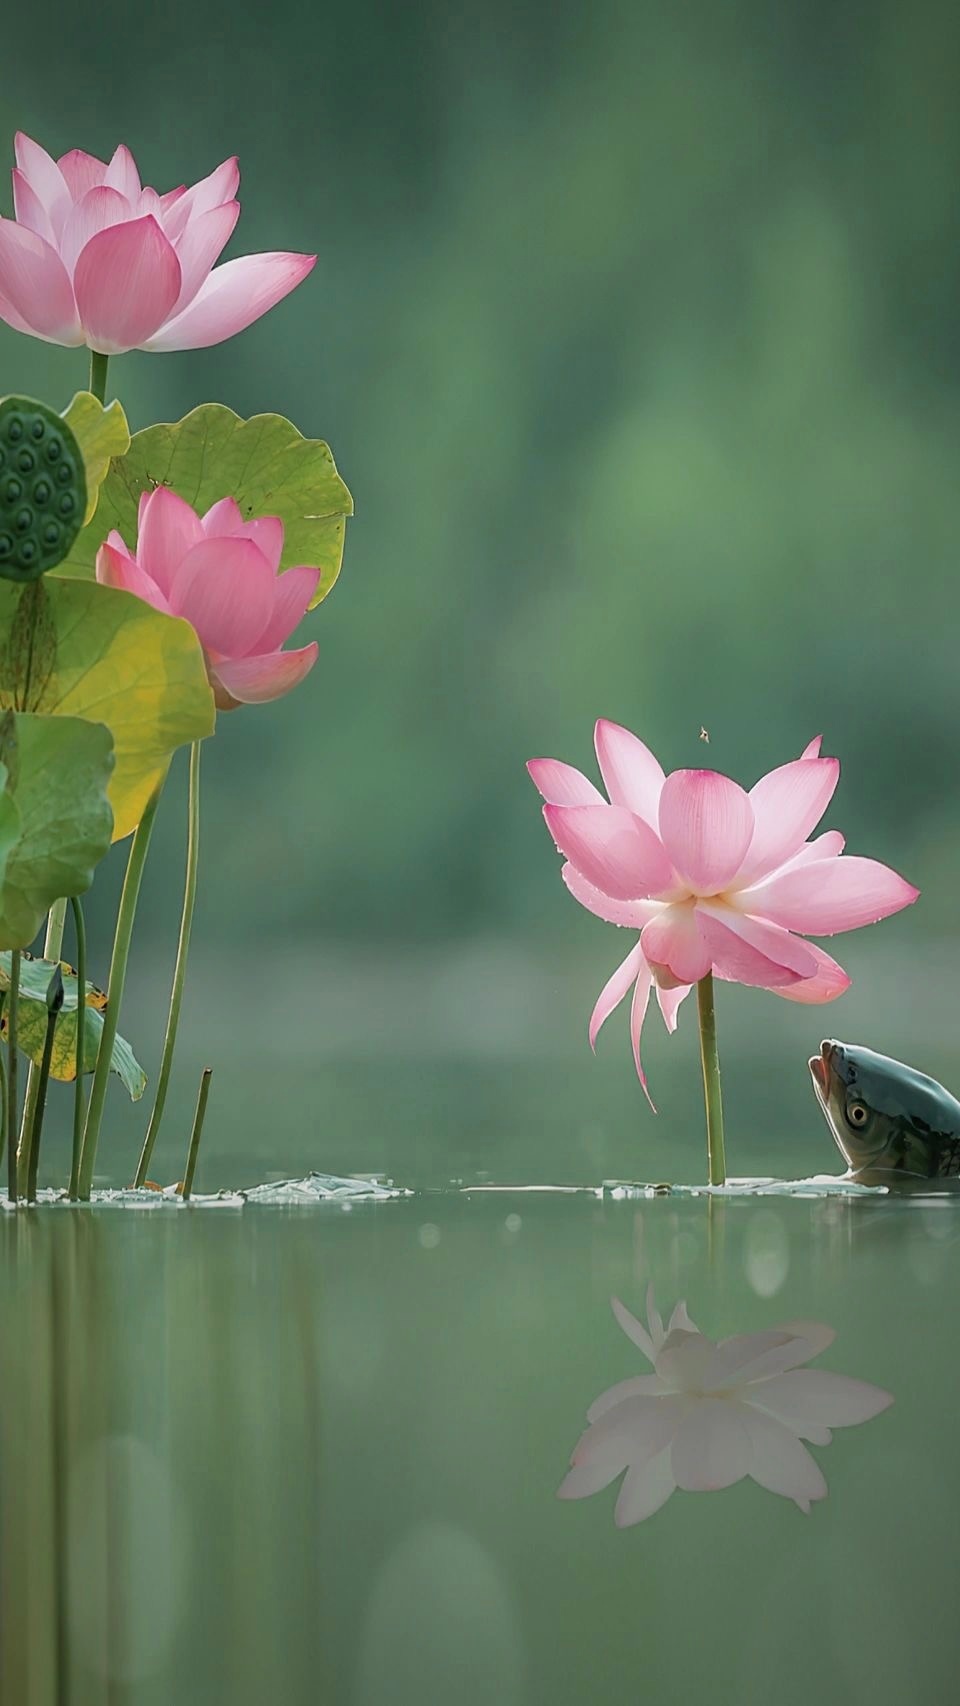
{"x": 93, "y": 258}
{"x": 713, "y": 878}
{"x": 222, "y": 574}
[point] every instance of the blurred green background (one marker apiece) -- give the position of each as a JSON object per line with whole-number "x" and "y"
{"x": 634, "y": 334}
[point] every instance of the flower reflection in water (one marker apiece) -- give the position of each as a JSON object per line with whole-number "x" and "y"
{"x": 713, "y": 1412}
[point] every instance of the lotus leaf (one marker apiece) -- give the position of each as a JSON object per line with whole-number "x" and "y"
{"x": 57, "y": 773}
{"x": 102, "y": 433}
{"x": 264, "y": 463}
{"x": 32, "y": 1024}
{"x": 76, "y": 649}
{"x": 10, "y": 824}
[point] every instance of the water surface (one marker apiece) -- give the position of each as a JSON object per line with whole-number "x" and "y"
{"x": 312, "y": 1454}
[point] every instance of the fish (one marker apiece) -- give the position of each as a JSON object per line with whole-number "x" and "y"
{"x": 892, "y": 1125}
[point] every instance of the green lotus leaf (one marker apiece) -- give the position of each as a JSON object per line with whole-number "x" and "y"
{"x": 32, "y": 1025}
{"x": 76, "y": 649}
{"x": 102, "y": 433}
{"x": 58, "y": 771}
{"x": 264, "y": 463}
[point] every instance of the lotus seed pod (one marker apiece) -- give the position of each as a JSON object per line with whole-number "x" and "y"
{"x": 43, "y": 489}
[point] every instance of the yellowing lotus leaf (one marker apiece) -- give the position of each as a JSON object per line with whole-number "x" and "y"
{"x": 35, "y": 977}
{"x": 102, "y": 433}
{"x": 76, "y": 649}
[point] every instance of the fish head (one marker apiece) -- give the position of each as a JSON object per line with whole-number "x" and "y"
{"x": 885, "y": 1116}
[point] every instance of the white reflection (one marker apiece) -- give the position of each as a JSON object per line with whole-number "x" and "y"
{"x": 440, "y": 1625}
{"x": 713, "y": 1412}
{"x": 127, "y": 1559}
{"x": 766, "y": 1253}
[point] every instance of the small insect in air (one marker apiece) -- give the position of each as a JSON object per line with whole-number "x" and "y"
{"x": 705, "y": 734}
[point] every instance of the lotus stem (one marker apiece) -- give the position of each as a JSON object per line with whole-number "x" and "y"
{"x": 710, "y": 1062}
{"x": 198, "y": 1120}
{"x": 180, "y": 969}
{"x": 81, "y": 935}
{"x": 53, "y": 940}
{"x": 27, "y": 1115}
{"x": 13, "y": 998}
{"x": 52, "y": 949}
{"x": 118, "y": 973}
{"x": 54, "y": 1004}
{"x": 98, "y": 375}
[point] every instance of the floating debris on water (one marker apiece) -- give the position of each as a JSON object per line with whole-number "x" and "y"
{"x": 325, "y": 1187}
{"x": 314, "y": 1188}
{"x": 821, "y": 1185}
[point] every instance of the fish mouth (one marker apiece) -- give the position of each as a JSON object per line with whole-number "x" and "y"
{"x": 820, "y": 1066}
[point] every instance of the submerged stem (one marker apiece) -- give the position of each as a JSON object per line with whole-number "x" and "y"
{"x": 81, "y": 935}
{"x": 98, "y": 375}
{"x": 710, "y": 1062}
{"x": 13, "y": 998}
{"x": 180, "y": 969}
{"x": 198, "y": 1120}
{"x": 118, "y": 972}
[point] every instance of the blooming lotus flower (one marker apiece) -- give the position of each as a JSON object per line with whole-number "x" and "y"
{"x": 714, "y": 879}
{"x": 93, "y": 258}
{"x": 222, "y": 574}
{"x": 715, "y": 1412}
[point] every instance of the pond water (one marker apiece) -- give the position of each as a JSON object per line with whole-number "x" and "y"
{"x": 311, "y": 1454}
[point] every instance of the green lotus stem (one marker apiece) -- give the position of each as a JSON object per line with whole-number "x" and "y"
{"x": 710, "y": 1062}
{"x": 180, "y": 969}
{"x": 27, "y": 1116}
{"x": 98, "y": 375}
{"x": 54, "y": 1004}
{"x": 198, "y": 1120}
{"x": 81, "y": 935}
{"x": 118, "y": 973}
{"x": 13, "y": 998}
{"x": 53, "y": 940}
{"x": 52, "y": 949}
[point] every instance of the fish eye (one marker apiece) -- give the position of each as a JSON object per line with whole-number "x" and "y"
{"x": 857, "y": 1114}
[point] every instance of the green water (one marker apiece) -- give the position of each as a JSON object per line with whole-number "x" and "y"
{"x": 311, "y": 1455}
